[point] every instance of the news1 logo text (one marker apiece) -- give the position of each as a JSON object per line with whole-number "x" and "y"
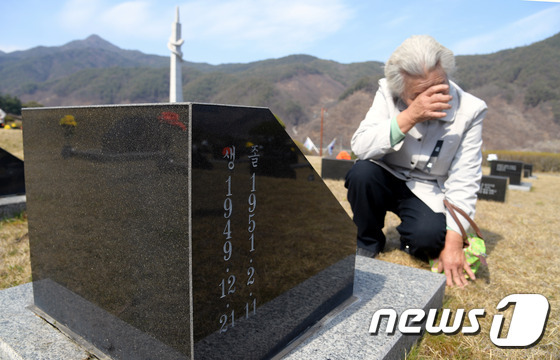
{"x": 526, "y": 327}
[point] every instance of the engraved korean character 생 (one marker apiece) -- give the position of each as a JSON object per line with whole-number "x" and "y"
{"x": 229, "y": 154}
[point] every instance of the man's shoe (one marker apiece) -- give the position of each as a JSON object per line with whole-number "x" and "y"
{"x": 365, "y": 252}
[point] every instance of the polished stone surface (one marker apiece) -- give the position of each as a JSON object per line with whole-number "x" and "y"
{"x": 171, "y": 231}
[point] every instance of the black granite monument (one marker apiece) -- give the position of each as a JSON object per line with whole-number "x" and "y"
{"x": 512, "y": 169}
{"x": 183, "y": 231}
{"x": 12, "y": 180}
{"x": 493, "y": 188}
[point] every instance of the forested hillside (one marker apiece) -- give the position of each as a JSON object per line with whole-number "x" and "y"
{"x": 520, "y": 86}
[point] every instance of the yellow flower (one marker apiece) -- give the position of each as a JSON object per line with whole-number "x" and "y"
{"x": 68, "y": 120}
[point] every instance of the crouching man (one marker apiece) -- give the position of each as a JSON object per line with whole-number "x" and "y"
{"x": 419, "y": 144}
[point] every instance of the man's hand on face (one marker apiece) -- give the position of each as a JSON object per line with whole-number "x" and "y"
{"x": 430, "y": 104}
{"x": 426, "y": 96}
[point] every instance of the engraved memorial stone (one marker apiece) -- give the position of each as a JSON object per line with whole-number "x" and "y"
{"x": 512, "y": 169}
{"x": 180, "y": 231}
{"x": 335, "y": 169}
{"x": 493, "y": 188}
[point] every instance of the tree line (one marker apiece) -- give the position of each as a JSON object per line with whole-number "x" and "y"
{"x": 13, "y": 105}
{"x": 10, "y": 104}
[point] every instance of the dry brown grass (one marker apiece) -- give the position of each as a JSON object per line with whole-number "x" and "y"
{"x": 15, "y": 268}
{"x": 14, "y": 242}
{"x": 523, "y": 245}
{"x": 11, "y": 141}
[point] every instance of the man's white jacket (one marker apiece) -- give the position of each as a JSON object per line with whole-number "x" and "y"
{"x": 454, "y": 174}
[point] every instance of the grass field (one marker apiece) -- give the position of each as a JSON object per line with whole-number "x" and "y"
{"x": 523, "y": 245}
{"x": 14, "y": 242}
{"x": 11, "y": 141}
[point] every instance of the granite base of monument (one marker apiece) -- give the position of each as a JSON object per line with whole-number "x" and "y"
{"x": 25, "y": 336}
{"x": 343, "y": 335}
{"x": 378, "y": 285}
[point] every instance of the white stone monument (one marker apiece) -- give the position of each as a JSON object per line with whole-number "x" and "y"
{"x": 174, "y": 44}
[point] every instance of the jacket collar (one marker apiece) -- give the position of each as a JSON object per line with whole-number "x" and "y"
{"x": 454, "y": 103}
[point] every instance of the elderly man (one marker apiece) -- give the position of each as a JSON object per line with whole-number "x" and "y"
{"x": 419, "y": 144}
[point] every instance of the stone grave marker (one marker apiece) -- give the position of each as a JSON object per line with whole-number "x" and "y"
{"x": 12, "y": 185}
{"x": 512, "y": 169}
{"x": 335, "y": 168}
{"x": 527, "y": 170}
{"x": 12, "y": 180}
{"x": 184, "y": 231}
{"x": 493, "y": 188}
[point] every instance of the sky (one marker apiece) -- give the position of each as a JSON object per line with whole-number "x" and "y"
{"x": 242, "y": 31}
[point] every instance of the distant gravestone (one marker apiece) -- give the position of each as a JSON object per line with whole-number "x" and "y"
{"x": 335, "y": 169}
{"x": 493, "y": 188}
{"x": 511, "y": 169}
{"x": 527, "y": 170}
{"x": 184, "y": 231}
{"x": 12, "y": 181}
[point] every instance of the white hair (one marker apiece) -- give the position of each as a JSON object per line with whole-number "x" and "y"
{"x": 416, "y": 56}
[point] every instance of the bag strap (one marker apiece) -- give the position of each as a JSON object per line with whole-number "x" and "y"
{"x": 452, "y": 208}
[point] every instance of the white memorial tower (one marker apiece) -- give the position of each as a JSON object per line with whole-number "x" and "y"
{"x": 174, "y": 44}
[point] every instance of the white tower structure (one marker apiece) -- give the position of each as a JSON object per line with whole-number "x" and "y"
{"x": 174, "y": 44}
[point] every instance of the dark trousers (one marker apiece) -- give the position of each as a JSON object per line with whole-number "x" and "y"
{"x": 372, "y": 191}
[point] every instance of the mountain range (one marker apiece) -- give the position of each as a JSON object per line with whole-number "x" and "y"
{"x": 519, "y": 85}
